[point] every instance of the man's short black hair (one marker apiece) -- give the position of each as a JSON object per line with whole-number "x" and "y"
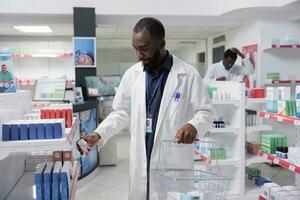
{"x": 154, "y": 26}
{"x": 3, "y": 65}
{"x": 229, "y": 53}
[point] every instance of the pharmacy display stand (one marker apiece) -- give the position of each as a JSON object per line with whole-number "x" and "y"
{"x": 285, "y": 163}
{"x": 228, "y": 100}
{"x": 24, "y": 189}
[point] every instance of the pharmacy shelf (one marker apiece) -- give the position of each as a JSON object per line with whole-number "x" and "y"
{"x": 229, "y": 161}
{"x": 253, "y": 159}
{"x": 251, "y": 129}
{"x": 224, "y": 130}
{"x": 283, "y": 119}
{"x": 282, "y": 162}
{"x": 284, "y": 46}
{"x": 25, "y": 188}
{"x": 225, "y": 102}
{"x": 7, "y": 147}
{"x": 262, "y": 197}
{"x": 255, "y": 100}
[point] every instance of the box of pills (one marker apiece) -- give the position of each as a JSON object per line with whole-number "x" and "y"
{"x": 284, "y": 93}
{"x": 272, "y": 93}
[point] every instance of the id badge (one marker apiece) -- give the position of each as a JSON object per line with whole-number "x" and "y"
{"x": 149, "y": 123}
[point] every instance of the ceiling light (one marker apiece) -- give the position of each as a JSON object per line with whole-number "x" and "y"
{"x": 33, "y": 29}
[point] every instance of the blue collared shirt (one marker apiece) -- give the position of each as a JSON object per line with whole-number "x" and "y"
{"x": 153, "y": 80}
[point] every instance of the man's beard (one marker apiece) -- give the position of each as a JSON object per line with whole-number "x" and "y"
{"x": 153, "y": 61}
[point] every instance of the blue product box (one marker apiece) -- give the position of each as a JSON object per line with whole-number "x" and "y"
{"x": 56, "y": 181}
{"x": 57, "y": 130}
{"x": 49, "y": 130}
{"x": 41, "y": 131}
{"x": 85, "y": 165}
{"x": 47, "y": 180}
{"x": 23, "y": 132}
{"x": 15, "y": 132}
{"x": 261, "y": 181}
{"x": 32, "y": 131}
{"x": 65, "y": 181}
{"x": 5, "y": 132}
{"x": 38, "y": 181}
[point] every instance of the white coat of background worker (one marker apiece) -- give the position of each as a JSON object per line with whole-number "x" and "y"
{"x": 159, "y": 98}
{"x": 226, "y": 70}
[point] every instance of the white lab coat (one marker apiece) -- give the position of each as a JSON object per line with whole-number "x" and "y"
{"x": 218, "y": 70}
{"x": 129, "y": 107}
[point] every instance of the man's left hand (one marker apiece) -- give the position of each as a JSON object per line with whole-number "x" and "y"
{"x": 235, "y": 50}
{"x": 187, "y": 134}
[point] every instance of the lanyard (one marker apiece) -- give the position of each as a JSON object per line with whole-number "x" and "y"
{"x": 150, "y": 99}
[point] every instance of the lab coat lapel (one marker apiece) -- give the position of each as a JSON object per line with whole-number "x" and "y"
{"x": 172, "y": 84}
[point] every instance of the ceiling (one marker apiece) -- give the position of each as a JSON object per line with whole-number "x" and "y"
{"x": 115, "y": 31}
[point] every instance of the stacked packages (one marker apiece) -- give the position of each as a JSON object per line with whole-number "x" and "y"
{"x": 33, "y": 129}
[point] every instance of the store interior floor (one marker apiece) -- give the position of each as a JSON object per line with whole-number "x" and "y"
{"x": 111, "y": 182}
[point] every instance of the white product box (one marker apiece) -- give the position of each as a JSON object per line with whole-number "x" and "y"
{"x": 284, "y": 93}
{"x": 291, "y": 197}
{"x": 272, "y": 93}
{"x": 267, "y": 187}
{"x": 289, "y": 188}
{"x": 296, "y": 193}
{"x": 281, "y": 107}
{"x": 282, "y": 195}
{"x": 274, "y": 192}
{"x": 174, "y": 196}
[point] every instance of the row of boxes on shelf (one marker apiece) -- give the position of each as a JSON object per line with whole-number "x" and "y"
{"x": 53, "y": 111}
{"x": 254, "y": 175}
{"x": 251, "y": 118}
{"x": 273, "y": 191}
{"x": 57, "y": 111}
{"x": 255, "y": 93}
{"x": 211, "y": 151}
{"x": 52, "y": 180}
{"x": 34, "y": 158}
{"x": 192, "y": 195}
{"x": 218, "y": 122}
{"x": 271, "y": 142}
{"x": 33, "y": 129}
{"x": 279, "y": 101}
{"x": 216, "y": 94}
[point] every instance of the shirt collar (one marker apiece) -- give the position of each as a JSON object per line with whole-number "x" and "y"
{"x": 167, "y": 62}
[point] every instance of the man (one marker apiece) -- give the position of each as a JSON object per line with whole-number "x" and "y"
{"x": 160, "y": 98}
{"x": 5, "y": 75}
{"x": 227, "y": 70}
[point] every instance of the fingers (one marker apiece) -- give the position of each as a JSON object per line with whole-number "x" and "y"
{"x": 187, "y": 134}
{"x": 179, "y": 136}
{"x": 79, "y": 149}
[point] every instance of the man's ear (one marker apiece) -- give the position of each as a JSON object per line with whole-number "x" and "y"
{"x": 162, "y": 43}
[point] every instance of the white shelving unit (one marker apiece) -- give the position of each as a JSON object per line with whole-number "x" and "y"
{"x": 19, "y": 183}
{"x": 251, "y": 129}
{"x": 253, "y": 159}
{"x": 224, "y": 130}
{"x": 25, "y": 188}
{"x": 232, "y": 137}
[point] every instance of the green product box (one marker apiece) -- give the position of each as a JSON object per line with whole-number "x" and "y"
{"x": 210, "y": 91}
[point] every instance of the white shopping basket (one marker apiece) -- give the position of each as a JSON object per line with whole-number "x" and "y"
{"x": 186, "y": 183}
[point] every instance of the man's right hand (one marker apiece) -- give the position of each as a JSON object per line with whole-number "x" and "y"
{"x": 91, "y": 139}
{"x": 222, "y": 78}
